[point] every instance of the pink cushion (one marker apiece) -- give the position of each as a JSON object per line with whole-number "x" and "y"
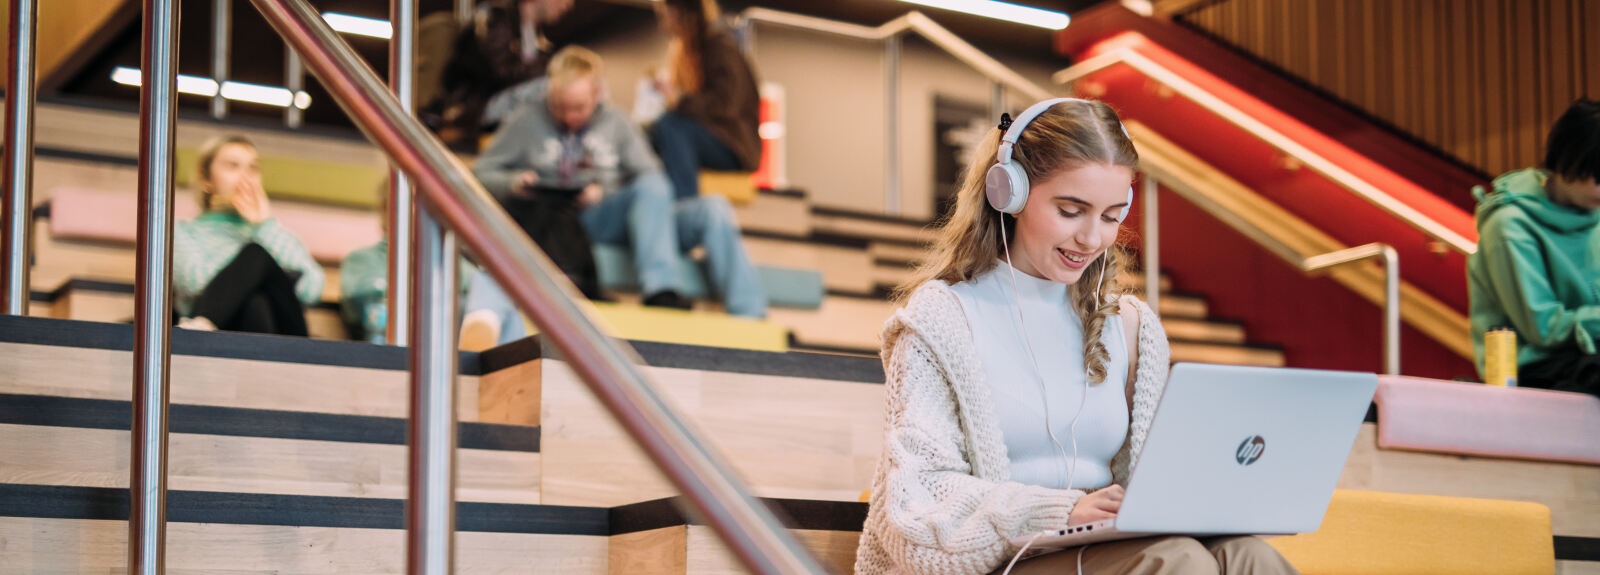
{"x": 1474, "y": 419}
{"x": 106, "y": 216}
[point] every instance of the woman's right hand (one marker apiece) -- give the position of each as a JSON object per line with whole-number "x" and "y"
{"x": 526, "y": 181}
{"x": 251, "y": 202}
{"x": 1098, "y": 506}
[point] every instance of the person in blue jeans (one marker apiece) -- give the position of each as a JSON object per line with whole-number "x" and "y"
{"x": 714, "y": 107}
{"x": 567, "y": 139}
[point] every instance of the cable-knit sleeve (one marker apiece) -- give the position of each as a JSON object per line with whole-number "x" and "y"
{"x": 1155, "y": 360}
{"x": 937, "y": 518}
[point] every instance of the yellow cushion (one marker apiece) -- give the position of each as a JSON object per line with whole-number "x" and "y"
{"x": 1372, "y": 533}
{"x": 306, "y": 179}
{"x": 637, "y": 323}
{"x": 738, "y": 187}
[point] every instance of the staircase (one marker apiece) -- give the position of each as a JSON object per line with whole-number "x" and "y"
{"x": 288, "y": 455}
{"x": 863, "y": 257}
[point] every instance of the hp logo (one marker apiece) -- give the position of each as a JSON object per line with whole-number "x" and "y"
{"x": 1250, "y": 450}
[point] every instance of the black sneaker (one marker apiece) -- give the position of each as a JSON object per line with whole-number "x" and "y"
{"x": 668, "y": 299}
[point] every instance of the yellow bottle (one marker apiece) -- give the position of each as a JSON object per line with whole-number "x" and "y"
{"x": 1500, "y": 357}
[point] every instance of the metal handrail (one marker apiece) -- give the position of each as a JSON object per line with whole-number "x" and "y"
{"x": 890, "y": 33}
{"x": 1391, "y": 290}
{"x": 1312, "y": 264}
{"x": 1233, "y": 115}
{"x": 911, "y": 22}
{"x": 449, "y": 192}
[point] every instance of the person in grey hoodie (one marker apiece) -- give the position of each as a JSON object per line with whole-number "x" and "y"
{"x": 567, "y": 138}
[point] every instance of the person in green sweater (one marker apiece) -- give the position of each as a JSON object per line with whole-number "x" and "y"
{"x": 234, "y": 267}
{"x": 1537, "y": 268}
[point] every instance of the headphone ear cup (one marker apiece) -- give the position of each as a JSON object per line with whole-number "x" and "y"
{"x": 1128, "y": 207}
{"x": 1006, "y": 186}
{"x": 997, "y": 187}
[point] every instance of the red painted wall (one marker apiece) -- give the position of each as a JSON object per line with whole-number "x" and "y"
{"x": 1317, "y": 321}
{"x": 1427, "y": 168}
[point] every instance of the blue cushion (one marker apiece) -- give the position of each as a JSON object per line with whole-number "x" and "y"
{"x": 784, "y": 287}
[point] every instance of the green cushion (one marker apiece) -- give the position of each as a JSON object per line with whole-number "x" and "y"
{"x": 306, "y": 179}
{"x": 784, "y": 287}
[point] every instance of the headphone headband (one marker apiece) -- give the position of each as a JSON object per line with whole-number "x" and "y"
{"x": 1014, "y": 132}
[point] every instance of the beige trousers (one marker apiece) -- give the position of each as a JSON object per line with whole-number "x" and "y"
{"x": 1172, "y": 555}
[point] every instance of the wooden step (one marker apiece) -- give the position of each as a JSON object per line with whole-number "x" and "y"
{"x": 793, "y": 425}
{"x": 1203, "y": 331}
{"x": 1572, "y": 491}
{"x": 843, "y": 268}
{"x": 112, "y": 302}
{"x": 774, "y": 213}
{"x": 52, "y": 529}
{"x": 853, "y": 323}
{"x": 1183, "y": 306}
{"x": 870, "y": 227}
{"x": 1198, "y": 352}
{"x": 84, "y": 443}
{"x": 57, "y": 262}
{"x": 240, "y": 370}
{"x": 80, "y": 530}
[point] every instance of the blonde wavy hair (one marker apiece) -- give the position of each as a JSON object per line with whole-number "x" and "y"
{"x": 1067, "y": 136}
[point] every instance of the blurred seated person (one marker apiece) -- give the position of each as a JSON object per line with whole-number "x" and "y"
{"x": 714, "y": 108}
{"x": 363, "y": 292}
{"x": 488, "y": 75}
{"x": 1537, "y": 268}
{"x": 570, "y": 140}
{"x": 364, "y": 283}
{"x": 234, "y": 267}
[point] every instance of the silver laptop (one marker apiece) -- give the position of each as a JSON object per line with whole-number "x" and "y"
{"x": 1233, "y": 451}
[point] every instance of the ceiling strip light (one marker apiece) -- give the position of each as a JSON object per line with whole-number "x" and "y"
{"x": 239, "y": 91}
{"x": 360, "y": 26}
{"x": 1028, "y": 15}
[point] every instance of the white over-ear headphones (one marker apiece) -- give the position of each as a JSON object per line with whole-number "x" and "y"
{"x": 1006, "y": 184}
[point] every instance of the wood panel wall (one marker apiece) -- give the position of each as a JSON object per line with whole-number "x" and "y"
{"x": 1479, "y": 80}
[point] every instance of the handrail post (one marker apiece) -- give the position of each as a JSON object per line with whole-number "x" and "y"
{"x": 401, "y": 201}
{"x": 431, "y": 436}
{"x": 152, "y": 318}
{"x": 891, "y": 125}
{"x": 1152, "y": 242}
{"x": 1391, "y": 311}
{"x": 17, "y": 185}
{"x": 1391, "y": 290}
{"x": 294, "y": 79}
{"x": 430, "y": 504}
{"x": 221, "y": 51}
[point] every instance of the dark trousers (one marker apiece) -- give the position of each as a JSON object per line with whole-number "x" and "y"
{"x": 253, "y": 295}
{"x": 685, "y": 147}
{"x": 551, "y": 220}
{"x": 1568, "y": 370}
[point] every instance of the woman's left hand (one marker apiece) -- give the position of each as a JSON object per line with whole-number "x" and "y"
{"x": 590, "y": 196}
{"x": 251, "y": 201}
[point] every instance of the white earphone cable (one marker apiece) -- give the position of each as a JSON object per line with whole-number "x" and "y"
{"x": 1072, "y": 428}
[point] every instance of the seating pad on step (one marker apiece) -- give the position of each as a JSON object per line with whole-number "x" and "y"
{"x": 1471, "y": 419}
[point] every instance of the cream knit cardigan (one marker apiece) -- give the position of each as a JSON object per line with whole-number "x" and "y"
{"x": 942, "y": 500}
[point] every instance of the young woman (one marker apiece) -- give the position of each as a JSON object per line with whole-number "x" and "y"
{"x": 234, "y": 267}
{"x": 1535, "y": 271}
{"x": 714, "y": 107}
{"x": 1011, "y": 345}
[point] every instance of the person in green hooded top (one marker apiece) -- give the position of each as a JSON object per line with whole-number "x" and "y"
{"x": 1537, "y": 268}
